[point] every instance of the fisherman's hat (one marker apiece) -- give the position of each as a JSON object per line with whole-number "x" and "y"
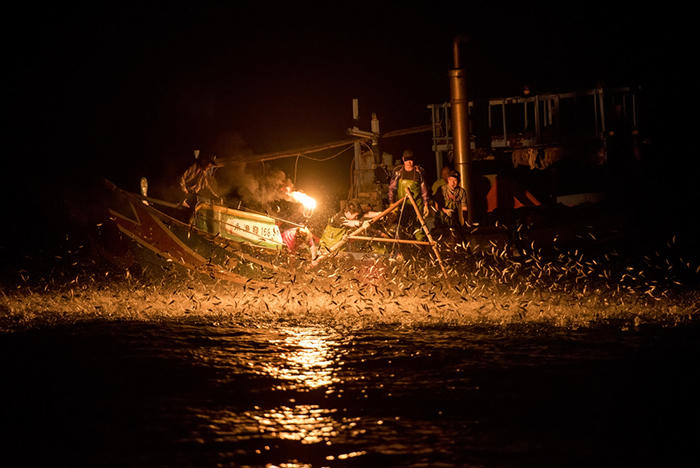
{"x": 210, "y": 158}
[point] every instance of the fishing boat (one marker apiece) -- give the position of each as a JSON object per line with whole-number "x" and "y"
{"x": 235, "y": 244}
{"x": 217, "y": 241}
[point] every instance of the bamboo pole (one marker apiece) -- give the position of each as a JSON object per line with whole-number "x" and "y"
{"x": 391, "y": 208}
{"x": 388, "y": 239}
{"x": 360, "y": 229}
{"x": 426, "y": 230}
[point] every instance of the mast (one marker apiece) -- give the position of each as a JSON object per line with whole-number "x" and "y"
{"x": 460, "y": 130}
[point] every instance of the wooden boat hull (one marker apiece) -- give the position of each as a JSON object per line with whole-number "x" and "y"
{"x": 161, "y": 242}
{"x": 238, "y": 226}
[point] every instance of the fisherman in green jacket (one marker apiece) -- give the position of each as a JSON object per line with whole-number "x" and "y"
{"x": 412, "y": 177}
{"x": 351, "y": 217}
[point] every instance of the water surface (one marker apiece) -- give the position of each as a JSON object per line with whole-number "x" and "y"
{"x": 181, "y": 393}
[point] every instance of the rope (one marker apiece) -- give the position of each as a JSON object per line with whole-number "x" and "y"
{"x": 302, "y": 155}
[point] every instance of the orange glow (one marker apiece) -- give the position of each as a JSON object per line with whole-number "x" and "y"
{"x": 304, "y": 199}
{"x": 308, "y": 202}
{"x": 308, "y": 424}
{"x": 309, "y": 362}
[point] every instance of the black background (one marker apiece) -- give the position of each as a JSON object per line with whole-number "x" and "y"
{"x": 121, "y": 90}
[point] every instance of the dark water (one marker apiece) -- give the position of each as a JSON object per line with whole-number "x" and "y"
{"x": 178, "y": 394}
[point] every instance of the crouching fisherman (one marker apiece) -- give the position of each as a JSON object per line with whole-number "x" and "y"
{"x": 197, "y": 183}
{"x": 298, "y": 237}
{"x": 451, "y": 202}
{"x": 352, "y": 217}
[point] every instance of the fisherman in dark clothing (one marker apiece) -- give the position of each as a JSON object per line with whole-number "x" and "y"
{"x": 198, "y": 180}
{"x": 451, "y": 201}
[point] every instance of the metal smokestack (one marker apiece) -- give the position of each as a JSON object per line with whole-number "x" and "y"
{"x": 460, "y": 127}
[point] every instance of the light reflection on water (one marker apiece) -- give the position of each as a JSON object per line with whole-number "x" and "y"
{"x": 305, "y": 361}
{"x": 197, "y": 394}
{"x": 308, "y": 424}
{"x": 300, "y": 360}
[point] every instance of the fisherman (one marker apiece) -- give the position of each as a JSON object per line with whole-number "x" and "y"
{"x": 352, "y": 216}
{"x": 198, "y": 179}
{"x": 451, "y": 202}
{"x": 298, "y": 237}
{"x": 412, "y": 177}
{"x": 442, "y": 180}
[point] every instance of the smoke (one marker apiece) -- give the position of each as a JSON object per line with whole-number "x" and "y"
{"x": 256, "y": 184}
{"x": 252, "y": 183}
{"x": 231, "y": 144}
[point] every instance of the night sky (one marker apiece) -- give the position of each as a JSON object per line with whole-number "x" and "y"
{"x": 121, "y": 90}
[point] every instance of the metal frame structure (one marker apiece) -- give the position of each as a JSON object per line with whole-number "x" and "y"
{"x": 543, "y": 111}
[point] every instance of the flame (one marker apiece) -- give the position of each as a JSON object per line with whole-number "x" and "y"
{"x": 304, "y": 199}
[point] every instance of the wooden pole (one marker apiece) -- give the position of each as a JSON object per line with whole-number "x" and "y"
{"x": 426, "y": 230}
{"x": 391, "y": 208}
{"x": 362, "y": 228}
{"x": 389, "y": 239}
